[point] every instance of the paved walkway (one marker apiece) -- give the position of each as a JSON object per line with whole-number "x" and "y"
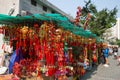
{"x": 104, "y": 73}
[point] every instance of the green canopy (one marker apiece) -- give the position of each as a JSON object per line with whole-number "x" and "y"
{"x": 60, "y": 20}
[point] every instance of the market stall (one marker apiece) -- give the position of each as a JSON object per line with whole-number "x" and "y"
{"x": 48, "y": 45}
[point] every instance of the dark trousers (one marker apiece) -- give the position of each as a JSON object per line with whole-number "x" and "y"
{"x": 103, "y": 59}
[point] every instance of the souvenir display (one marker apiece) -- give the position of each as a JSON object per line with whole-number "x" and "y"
{"x": 44, "y": 48}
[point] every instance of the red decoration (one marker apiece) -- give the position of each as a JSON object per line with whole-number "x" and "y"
{"x": 86, "y": 22}
{"x": 78, "y": 14}
{"x": 94, "y": 58}
{"x": 1, "y": 30}
{"x": 17, "y": 47}
{"x": 36, "y": 25}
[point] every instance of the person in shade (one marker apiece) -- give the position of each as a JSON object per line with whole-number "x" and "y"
{"x": 105, "y": 54}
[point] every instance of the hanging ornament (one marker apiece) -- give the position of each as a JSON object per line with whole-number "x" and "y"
{"x": 94, "y": 58}
{"x": 58, "y": 34}
{"x": 86, "y": 22}
{"x": 82, "y": 71}
{"x": 78, "y": 14}
{"x": 70, "y": 56}
{"x": 30, "y": 33}
{"x": 24, "y": 31}
{"x": 43, "y": 31}
{"x": 36, "y": 26}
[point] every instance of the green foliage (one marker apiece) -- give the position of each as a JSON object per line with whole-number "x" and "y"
{"x": 100, "y": 20}
{"x": 118, "y": 42}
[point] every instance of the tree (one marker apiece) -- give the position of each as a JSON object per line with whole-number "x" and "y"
{"x": 117, "y": 42}
{"x": 100, "y": 20}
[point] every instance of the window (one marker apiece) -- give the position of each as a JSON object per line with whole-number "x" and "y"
{"x": 44, "y": 8}
{"x": 53, "y": 12}
{"x": 33, "y": 2}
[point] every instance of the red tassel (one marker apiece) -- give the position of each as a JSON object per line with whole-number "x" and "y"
{"x": 39, "y": 73}
{"x": 10, "y": 43}
{"x": 17, "y": 46}
{"x": 52, "y": 58}
{"x": 31, "y": 42}
{"x": 24, "y": 43}
{"x": 40, "y": 54}
{"x": 20, "y": 43}
{"x": 3, "y": 45}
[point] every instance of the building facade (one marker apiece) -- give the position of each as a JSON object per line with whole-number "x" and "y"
{"x": 113, "y": 33}
{"x": 117, "y": 28}
{"x": 27, "y": 7}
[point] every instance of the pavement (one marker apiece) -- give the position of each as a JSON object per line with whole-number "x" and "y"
{"x": 104, "y": 73}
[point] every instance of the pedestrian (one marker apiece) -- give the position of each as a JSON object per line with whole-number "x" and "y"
{"x": 110, "y": 50}
{"x": 115, "y": 51}
{"x": 118, "y": 59}
{"x": 105, "y": 54}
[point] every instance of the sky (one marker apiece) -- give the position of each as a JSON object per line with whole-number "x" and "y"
{"x": 70, "y": 6}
